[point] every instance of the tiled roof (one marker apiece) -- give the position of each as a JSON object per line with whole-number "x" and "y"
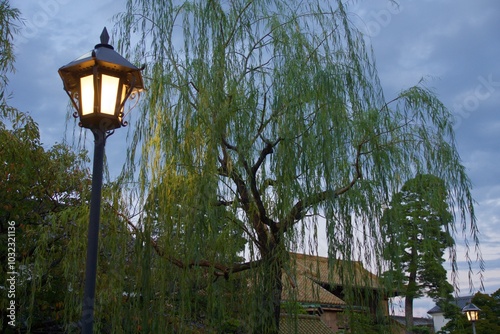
{"x": 304, "y": 290}
{"x": 416, "y": 321}
{"x": 303, "y": 281}
{"x": 344, "y": 273}
{"x": 460, "y": 302}
{"x": 304, "y": 324}
{"x": 306, "y": 281}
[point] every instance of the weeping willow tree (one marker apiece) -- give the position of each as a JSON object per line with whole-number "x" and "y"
{"x": 265, "y": 119}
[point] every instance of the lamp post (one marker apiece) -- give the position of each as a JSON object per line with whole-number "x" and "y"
{"x": 472, "y": 312}
{"x": 98, "y": 85}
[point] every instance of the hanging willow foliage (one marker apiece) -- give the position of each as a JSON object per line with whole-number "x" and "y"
{"x": 262, "y": 121}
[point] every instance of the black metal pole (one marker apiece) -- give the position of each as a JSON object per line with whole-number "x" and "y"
{"x": 473, "y": 327}
{"x": 93, "y": 234}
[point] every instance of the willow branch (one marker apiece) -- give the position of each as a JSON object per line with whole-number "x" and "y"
{"x": 219, "y": 270}
{"x": 255, "y": 216}
{"x": 300, "y": 208}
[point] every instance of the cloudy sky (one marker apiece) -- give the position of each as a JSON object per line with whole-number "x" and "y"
{"x": 453, "y": 44}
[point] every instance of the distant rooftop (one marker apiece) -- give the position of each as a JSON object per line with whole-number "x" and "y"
{"x": 416, "y": 321}
{"x": 460, "y": 302}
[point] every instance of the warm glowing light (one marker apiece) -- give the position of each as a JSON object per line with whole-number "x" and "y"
{"x": 109, "y": 91}
{"x": 87, "y": 98}
{"x": 472, "y": 315}
{"x": 99, "y": 83}
{"x": 472, "y": 312}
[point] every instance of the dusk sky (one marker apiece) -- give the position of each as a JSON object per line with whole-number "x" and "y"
{"x": 453, "y": 44}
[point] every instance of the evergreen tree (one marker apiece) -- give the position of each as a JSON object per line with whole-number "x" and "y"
{"x": 416, "y": 228}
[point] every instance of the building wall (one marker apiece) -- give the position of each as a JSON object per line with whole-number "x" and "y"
{"x": 332, "y": 319}
{"x": 439, "y": 321}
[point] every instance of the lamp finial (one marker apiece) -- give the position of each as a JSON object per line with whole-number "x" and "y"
{"x": 104, "y": 36}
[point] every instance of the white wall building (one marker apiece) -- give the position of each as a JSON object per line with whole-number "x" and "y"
{"x": 438, "y": 315}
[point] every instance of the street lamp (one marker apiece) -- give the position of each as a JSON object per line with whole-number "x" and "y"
{"x": 472, "y": 312}
{"x": 98, "y": 85}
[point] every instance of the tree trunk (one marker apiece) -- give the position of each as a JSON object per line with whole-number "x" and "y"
{"x": 268, "y": 317}
{"x": 277, "y": 290}
{"x": 409, "y": 314}
{"x": 411, "y": 290}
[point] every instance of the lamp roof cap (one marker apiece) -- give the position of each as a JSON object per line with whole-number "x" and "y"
{"x": 104, "y": 54}
{"x": 470, "y": 307}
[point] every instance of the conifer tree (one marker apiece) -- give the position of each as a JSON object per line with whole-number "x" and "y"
{"x": 417, "y": 230}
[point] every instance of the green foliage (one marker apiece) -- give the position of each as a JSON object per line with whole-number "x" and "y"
{"x": 9, "y": 18}
{"x": 265, "y": 119}
{"x": 292, "y": 307}
{"x": 490, "y": 307}
{"x": 41, "y": 192}
{"x": 233, "y": 326}
{"x": 421, "y": 330}
{"x": 262, "y": 119}
{"x": 416, "y": 227}
{"x": 489, "y": 316}
{"x": 362, "y": 323}
{"x": 458, "y": 323}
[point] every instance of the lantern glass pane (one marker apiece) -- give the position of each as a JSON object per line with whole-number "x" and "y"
{"x": 87, "y": 98}
{"x": 122, "y": 99}
{"x": 109, "y": 90}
